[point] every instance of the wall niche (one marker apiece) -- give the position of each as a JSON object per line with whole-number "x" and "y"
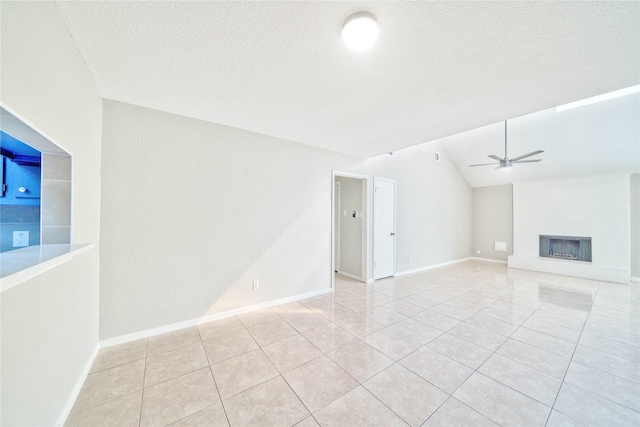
{"x": 39, "y": 205}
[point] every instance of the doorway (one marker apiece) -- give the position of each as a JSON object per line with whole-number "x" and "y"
{"x": 384, "y": 228}
{"x": 349, "y": 226}
{"x": 336, "y": 222}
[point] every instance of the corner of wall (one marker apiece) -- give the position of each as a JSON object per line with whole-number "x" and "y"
{"x": 46, "y": 83}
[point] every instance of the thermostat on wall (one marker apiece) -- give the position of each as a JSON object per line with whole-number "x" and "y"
{"x": 500, "y": 246}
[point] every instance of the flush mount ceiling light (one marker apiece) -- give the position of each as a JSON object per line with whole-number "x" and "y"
{"x": 360, "y": 31}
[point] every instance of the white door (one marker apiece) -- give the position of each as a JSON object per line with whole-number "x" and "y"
{"x": 336, "y": 227}
{"x": 384, "y": 227}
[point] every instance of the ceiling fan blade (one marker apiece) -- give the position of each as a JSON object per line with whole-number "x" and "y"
{"x": 494, "y": 157}
{"x": 484, "y": 164}
{"x": 533, "y": 153}
{"x": 526, "y": 161}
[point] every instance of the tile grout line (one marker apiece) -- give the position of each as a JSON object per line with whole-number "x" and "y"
{"x": 280, "y": 374}
{"x": 215, "y": 383}
{"x": 360, "y": 384}
{"x": 378, "y": 399}
{"x": 569, "y": 366}
{"x": 144, "y": 375}
{"x": 462, "y": 403}
{"x": 385, "y": 327}
{"x": 506, "y": 385}
{"x": 480, "y": 366}
{"x": 592, "y": 367}
{"x": 494, "y": 352}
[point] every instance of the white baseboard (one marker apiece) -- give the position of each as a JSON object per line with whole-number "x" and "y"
{"x": 444, "y": 264}
{"x": 217, "y": 316}
{"x": 431, "y": 267}
{"x": 351, "y": 276}
{"x": 66, "y": 410}
{"x": 495, "y": 261}
{"x": 634, "y": 279}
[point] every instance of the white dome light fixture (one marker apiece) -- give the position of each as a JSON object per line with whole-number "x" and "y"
{"x": 360, "y": 31}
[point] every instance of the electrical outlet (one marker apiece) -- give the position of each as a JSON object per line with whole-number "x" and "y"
{"x": 477, "y": 251}
{"x": 20, "y": 239}
{"x": 256, "y": 285}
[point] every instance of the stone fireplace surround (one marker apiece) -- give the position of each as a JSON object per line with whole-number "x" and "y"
{"x": 592, "y": 205}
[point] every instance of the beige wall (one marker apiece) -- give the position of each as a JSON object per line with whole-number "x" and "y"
{"x": 635, "y": 225}
{"x": 492, "y": 221}
{"x": 433, "y": 205}
{"x": 50, "y": 322}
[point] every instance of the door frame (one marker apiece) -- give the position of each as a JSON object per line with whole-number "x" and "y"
{"x": 365, "y": 222}
{"x": 337, "y": 188}
{"x": 373, "y": 212}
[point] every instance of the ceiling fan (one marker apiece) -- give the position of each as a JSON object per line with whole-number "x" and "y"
{"x": 506, "y": 162}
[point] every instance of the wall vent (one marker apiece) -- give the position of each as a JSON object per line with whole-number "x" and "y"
{"x": 436, "y": 156}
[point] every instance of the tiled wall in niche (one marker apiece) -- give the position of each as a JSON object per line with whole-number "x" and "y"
{"x": 56, "y": 199}
{"x": 19, "y": 218}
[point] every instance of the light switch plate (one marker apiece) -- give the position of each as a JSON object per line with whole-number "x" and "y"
{"x": 20, "y": 239}
{"x": 501, "y": 246}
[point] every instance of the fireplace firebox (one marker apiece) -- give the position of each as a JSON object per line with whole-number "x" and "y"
{"x": 570, "y": 248}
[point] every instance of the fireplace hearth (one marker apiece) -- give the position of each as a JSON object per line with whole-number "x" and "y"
{"x": 571, "y": 248}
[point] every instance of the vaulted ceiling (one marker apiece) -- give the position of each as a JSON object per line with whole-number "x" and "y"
{"x": 597, "y": 138}
{"x": 280, "y": 68}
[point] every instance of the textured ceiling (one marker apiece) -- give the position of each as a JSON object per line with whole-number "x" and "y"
{"x": 279, "y": 68}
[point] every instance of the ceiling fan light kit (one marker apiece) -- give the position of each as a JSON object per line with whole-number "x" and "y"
{"x": 506, "y": 163}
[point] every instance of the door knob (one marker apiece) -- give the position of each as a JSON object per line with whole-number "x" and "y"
{"x": 393, "y": 234}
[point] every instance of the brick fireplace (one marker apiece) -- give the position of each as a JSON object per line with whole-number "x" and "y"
{"x": 563, "y": 211}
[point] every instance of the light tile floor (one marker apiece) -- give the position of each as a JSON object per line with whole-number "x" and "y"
{"x": 470, "y": 344}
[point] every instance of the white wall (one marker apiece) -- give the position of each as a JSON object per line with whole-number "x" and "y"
{"x": 50, "y": 323}
{"x": 433, "y": 206}
{"x": 351, "y": 229}
{"x": 193, "y": 212}
{"x": 596, "y": 206}
{"x": 635, "y": 225}
{"x": 492, "y": 221}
